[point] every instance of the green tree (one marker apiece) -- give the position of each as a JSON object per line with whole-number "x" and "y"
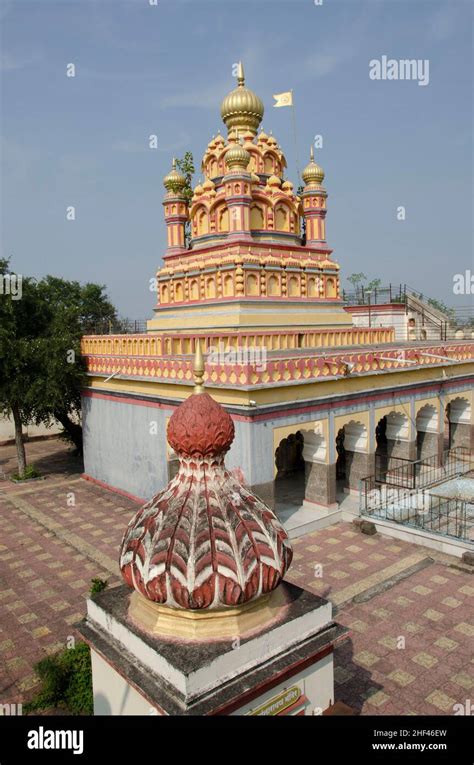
{"x": 374, "y": 284}
{"x": 41, "y": 369}
{"x": 186, "y": 165}
{"x": 357, "y": 279}
{"x": 75, "y": 310}
{"x": 23, "y": 317}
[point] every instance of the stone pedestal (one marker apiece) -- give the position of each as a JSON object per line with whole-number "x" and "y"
{"x": 320, "y": 483}
{"x": 281, "y": 667}
{"x": 358, "y": 465}
{"x": 403, "y": 449}
{"x": 429, "y": 445}
{"x": 462, "y": 434}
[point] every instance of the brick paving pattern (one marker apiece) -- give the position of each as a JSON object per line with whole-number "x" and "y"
{"x": 409, "y": 609}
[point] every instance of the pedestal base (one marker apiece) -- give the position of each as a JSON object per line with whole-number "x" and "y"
{"x": 283, "y": 667}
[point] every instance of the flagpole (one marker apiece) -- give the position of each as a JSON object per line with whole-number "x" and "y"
{"x": 294, "y": 134}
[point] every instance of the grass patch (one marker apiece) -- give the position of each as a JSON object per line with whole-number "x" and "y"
{"x": 30, "y": 472}
{"x": 66, "y": 682}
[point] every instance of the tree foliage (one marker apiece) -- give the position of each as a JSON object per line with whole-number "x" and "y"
{"x": 41, "y": 369}
{"x": 186, "y": 165}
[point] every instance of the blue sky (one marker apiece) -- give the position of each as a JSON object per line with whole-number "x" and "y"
{"x": 164, "y": 70}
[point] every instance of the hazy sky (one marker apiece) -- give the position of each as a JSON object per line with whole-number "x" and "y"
{"x": 143, "y": 69}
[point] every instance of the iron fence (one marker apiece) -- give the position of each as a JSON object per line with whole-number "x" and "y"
{"x": 399, "y": 492}
{"x": 448, "y": 516}
{"x": 417, "y": 474}
{"x": 120, "y": 327}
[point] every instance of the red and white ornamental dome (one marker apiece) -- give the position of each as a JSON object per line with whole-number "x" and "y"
{"x": 205, "y": 541}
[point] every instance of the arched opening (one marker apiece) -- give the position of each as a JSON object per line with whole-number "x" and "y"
{"x": 268, "y": 165}
{"x": 311, "y": 289}
{"x": 282, "y": 222}
{"x": 178, "y": 292}
{"x": 289, "y": 484}
{"x": 273, "y": 286}
{"x": 392, "y": 434}
{"x": 210, "y": 287}
{"x": 203, "y": 222}
{"x": 351, "y": 457}
{"x": 330, "y": 287}
{"x": 194, "y": 290}
{"x": 252, "y": 285}
{"x": 223, "y": 219}
{"x": 228, "y": 286}
{"x": 458, "y": 428}
{"x": 293, "y": 286}
{"x": 256, "y": 217}
{"x": 427, "y": 432}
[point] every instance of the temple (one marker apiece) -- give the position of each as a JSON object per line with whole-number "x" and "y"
{"x": 317, "y": 401}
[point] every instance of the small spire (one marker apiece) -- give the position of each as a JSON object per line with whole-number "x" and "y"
{"x": 240, "y": 75}
{"x": 198, "y": 369}
{"x": 174, "y": 163}
{"x": 311, "y": 153}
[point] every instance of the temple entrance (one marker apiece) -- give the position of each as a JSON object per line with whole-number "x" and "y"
{"x": 290, "y": 478}
{"x": 351, "y": 457}
{"x": 426, "y": 432}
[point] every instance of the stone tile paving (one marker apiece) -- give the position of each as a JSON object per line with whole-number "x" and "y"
{"x": 409, "y": 609}
{"x": 411, "y": 650}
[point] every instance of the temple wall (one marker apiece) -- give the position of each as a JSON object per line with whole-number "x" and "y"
{"x": 126, "y": 448}
{"x": 123, "y": 447}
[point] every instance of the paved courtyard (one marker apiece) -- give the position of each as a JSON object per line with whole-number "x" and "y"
{"x": 410, "y": 610}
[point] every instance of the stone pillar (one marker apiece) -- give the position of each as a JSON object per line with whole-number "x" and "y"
{"x": 320, "y": 483}
{"x": 403, "y": 449}
{"x": 429, "y": 444}
{"x": 462, "y": 434}
{"x": 359, "y": 465}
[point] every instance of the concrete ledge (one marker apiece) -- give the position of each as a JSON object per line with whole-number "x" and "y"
{"x": 420, "y": 537}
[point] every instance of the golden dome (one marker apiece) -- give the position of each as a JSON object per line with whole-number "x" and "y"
{"x": 271, "y": 140}
{"x": 262, "y": 137}
{"x": 241, "y": 108}
{"x": 237, "y": 157}
{"x": 208, "y": 185}
{"x": 312, "y": 172}
{"x": 274, "y": 180}
{"x": 174, "y": 181}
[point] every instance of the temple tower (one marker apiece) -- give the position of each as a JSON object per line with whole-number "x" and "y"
{"x": 176, "y": 211}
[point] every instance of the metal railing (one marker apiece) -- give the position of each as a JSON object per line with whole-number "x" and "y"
{"x": 421, "y": 473}
{"x": 120, "y": 327}
{"x": 394, "y": 293}
{"x": 448, "y": 516}
{"x": 399, "y": 493}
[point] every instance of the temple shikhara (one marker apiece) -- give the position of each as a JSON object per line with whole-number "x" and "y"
{"x": 255, "y": 408}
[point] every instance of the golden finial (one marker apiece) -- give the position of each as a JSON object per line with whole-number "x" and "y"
{"x": 312, "y": 173}
{"x": 198, "y": 369}
{"x": 241, "y": 108}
